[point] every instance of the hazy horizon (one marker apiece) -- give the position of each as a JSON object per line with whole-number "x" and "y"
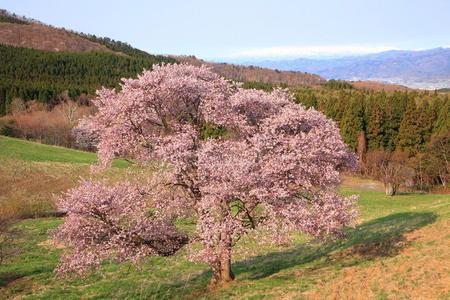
{"x": 313, "y": 57}
{"x": 252, "y": 30}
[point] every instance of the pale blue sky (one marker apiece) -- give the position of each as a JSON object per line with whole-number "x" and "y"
{"x": 234, "y": 30}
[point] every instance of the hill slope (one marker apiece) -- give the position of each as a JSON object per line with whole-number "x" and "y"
{"x": 32, "y": 173}
{"x": 428, "y": 69}
{"x": 45, "y": 38}
{"x": 40, "y": 61}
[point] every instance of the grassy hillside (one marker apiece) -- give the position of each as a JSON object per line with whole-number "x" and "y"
{"x": 399, "y": 249}
{"x": 11, "y": 148}
{"x": 32, "y": 173}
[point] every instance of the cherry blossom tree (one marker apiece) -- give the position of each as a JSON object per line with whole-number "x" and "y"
{"x": 236, "y": 161}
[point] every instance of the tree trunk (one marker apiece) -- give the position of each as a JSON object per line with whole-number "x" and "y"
{"x": 226, "y": 273}
{"x": 391, "y": 189}
{"x": 388, "y": 189}
{"x": 395, "y": 189}
{"x": 222, "y": 274}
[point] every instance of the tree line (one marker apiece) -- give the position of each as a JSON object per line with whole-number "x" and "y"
{"x": 402, "y": 138}
{"x": 6, "y": 16}
{"x": 119, "y": 46}
{"x": 389, "y": 121}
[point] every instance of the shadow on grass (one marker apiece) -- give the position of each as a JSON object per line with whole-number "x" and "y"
{"x": 7, "y": 278}
{"x": 376, "y": 238}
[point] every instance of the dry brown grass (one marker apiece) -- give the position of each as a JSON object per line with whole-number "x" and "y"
{"x": 362, "y": 183}
{"x": 418, "y": 269}
{"x": 27, "y": 188}
{"x": 45, "y": 38}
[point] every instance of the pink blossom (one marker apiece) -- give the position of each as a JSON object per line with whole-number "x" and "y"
{"x": 276, "y": 168}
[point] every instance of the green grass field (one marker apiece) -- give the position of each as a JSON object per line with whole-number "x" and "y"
{"x": 11, "y": 148}
{"x": 399, "y": 250}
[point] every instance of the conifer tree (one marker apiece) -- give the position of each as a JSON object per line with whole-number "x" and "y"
{"x": 375, "y": 130}
{"x": 394, "y": 109}
{"x": 442, "y": 123}
{"x": 352, "y": 123}
{"x": 426, "y": 118}
{"x": 409, "y": 136}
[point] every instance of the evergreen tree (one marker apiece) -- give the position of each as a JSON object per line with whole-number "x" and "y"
{"x": 40, "y": 75}
{"x": 375, "y": 128}
{"x": 352, "y": 123}
{"x": 426, "y": 118}
{"x": 394, "y": 109}
{"x": 442, "y": 123}
{"x": 409, "y": 136}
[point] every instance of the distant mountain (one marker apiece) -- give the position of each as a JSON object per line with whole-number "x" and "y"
{"x": 425, "y": 69}
{"x": 255, "y": 74}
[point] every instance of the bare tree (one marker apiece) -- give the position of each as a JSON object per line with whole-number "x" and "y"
{"x": 389, "y": 167}
{"x": 69, "y": 109}
{"x": 17, "y": 107}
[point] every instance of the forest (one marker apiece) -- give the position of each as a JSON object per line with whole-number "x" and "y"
{"x": 39, "y": 75}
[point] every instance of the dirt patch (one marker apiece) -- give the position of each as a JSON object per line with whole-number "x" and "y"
{"x": 362, "y": 183}
{"x": 52, "y": 244}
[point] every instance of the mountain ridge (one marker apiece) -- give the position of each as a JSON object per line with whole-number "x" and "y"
{"x": 425, "y": 69}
